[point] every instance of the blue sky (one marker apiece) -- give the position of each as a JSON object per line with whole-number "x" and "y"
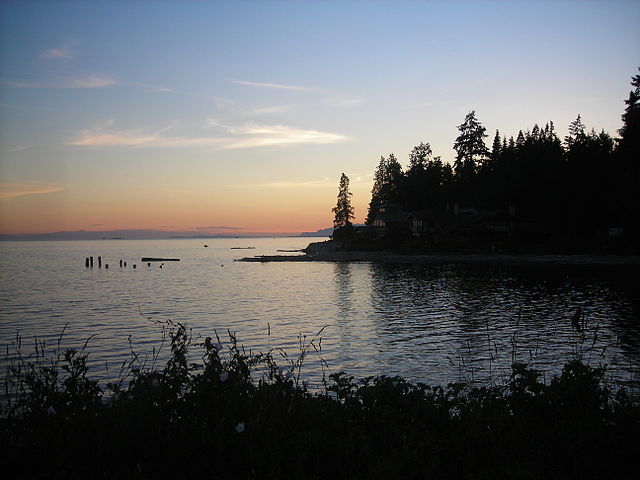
{"x": 183, "y": 115}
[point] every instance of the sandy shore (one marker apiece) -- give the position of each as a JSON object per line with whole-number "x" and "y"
{"x": 391, "y": 257}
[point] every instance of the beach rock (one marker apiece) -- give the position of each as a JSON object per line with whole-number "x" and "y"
{"x": 317, "y": 249}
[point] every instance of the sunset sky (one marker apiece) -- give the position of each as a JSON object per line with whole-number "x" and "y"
{"x": 239, "y": 117}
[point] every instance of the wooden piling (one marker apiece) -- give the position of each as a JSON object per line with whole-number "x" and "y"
{"x": 149, "y": 264}
{"x": 99, "y": 262}
{"x": 120, "y": 263}
{"x": 134, "y": 265}
{"x": 125, "y": 264}
{"x": 91, "y": 261}
{"x": 86, "y": 262}
{"x": 106, "y": 266}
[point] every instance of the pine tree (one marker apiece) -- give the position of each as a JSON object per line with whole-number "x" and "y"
{"x": 496, "y": 149}
{"x": 628, "y": 153}
{"x": 377, "y": 192}
{"x": 470, "y": 147}
{"x": 630, "y": 131}
{"x": 576, "y": 132}
{"x": 343, "y": 210}
{"x": 395, "y": 180}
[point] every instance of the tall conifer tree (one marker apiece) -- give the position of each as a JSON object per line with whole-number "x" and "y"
{"x": 470, "y": 147}
{"x": 343, "y": 210}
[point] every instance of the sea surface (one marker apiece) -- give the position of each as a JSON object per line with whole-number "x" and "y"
{"x": 429, "y": 323}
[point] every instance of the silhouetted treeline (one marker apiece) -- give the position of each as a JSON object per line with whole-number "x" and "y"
{"x": 584, "y": 184}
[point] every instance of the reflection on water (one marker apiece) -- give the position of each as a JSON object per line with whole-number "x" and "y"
{"x": 433, "y": 321}
{"x": 430, "y": 323}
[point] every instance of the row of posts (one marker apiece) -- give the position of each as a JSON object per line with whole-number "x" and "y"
{"x": 88, "y": 263}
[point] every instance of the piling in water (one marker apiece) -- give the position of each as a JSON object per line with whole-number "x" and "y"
{"x": 91, "y": 261}
{"x": 120, "y": 263}
{"x": 106, "y": 265}
{"x": 134, "y": 265}
{"x": 86, "y": 262}
{"x": 99, "y": 262}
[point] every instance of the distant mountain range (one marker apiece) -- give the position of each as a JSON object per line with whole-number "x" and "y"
{"x": 323, "y": 232}
{"x": 147, "y": 235}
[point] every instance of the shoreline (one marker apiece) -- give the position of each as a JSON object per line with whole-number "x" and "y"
{"x": 471, "y": 258}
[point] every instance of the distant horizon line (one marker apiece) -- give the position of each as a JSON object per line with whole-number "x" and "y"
{"x": 150, "y": 234}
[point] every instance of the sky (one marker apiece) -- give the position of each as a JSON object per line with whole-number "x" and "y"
{"x": 239, "y": 117}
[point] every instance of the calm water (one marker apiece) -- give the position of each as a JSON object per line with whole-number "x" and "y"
{"x": 430, "y": 323}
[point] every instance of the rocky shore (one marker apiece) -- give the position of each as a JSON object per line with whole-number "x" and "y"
{"x": 328, "y": 251}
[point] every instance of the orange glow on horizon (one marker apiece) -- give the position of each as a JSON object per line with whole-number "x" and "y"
{"x": 289, "y": 213}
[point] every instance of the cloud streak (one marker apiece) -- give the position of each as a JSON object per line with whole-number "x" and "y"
{"x": 274, "y": 109}
{"x": 11, "y": 190}
{"x": 84, "y": 81}
{"x": 253, "y": 135}
{"x": 92, "y": 81}
{"x": 245, "y": 136}
{"x": 19, "y": 149}
{"x": 64, "y": 51}
{"x": 295, "y": 88}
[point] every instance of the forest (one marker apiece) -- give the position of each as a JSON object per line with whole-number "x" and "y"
{"x": 585, "y": 185}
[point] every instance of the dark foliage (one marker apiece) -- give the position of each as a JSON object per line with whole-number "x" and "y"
{"x": 239, "y": 415}
{"x": 343, "y": 211}
{"x": 579, "y": 190}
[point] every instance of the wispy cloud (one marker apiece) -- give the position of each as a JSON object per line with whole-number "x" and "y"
{"x": 252, "y": 135}
{"x": 92, "y": 81}
{"x": 19, "y": 149}
{"x": 222, "y": 103}
{"x": 12, "y": 83}
{"x": 295, "y": 88}
{"x": 63, "y": 51}
{"x": 136, "y": 138}
{"x": 245, "y": 136}
{"x": 10, "y": 190}
{"x": 274, "y": 109}
{"x": 152, "y": 87}
{"x": 84, "y": 81}
{"x": 345, "y": 102}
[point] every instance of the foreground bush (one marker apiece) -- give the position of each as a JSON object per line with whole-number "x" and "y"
{"x": 239, "y": 415}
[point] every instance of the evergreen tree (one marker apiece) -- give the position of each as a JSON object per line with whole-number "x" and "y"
{"x": 388, "y": 186}
{"x": 343, "y": 210}
{"x": 576, "y": 132}
{"x": 496, "y": 149}
{"x": 627, "y": 155}
{"x": 470, "y": 147}
{"x": 395, "y": 180}
{"x": 629, "y": 143}
{"x": 379, "y": 180}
